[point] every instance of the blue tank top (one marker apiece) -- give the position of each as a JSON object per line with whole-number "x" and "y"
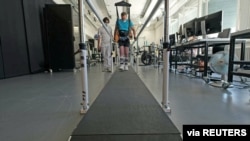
{"x": 123, "y": 25}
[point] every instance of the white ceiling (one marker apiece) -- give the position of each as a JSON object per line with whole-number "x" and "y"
{"x": 135, "y": 10}
{"x": 106, "y": 8}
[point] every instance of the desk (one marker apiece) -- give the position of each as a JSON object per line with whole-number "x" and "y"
{"x": 206, "y": 43}
{"x": 245, "y": 34}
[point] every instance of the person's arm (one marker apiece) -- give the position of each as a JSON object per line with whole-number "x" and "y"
{"x": 116, "y": 34}
{"x": 99, "y": 41}
{"x": 133, "y": 29}
{"x": 99, "y": 44}
{"x": 134, "y": 32}
{"x": 111, "y": 32}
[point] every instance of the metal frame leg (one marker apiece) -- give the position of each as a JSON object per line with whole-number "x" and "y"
{"x": 231, "y": 59}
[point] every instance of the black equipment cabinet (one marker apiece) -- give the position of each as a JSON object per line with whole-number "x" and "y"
{"x": 59, "y": 53}
{"x": 32, "y": 11}
{"x": 13, "y": 39}
{"x": 1, "y": 62}
{"x": 21, "y": 37}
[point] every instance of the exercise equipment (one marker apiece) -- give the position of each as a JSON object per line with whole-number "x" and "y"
{"x": 149, "y": 56}
{"x": 146, "y": 57}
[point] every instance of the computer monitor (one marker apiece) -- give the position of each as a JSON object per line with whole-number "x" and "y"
{"x": 198, "y": 28}
{"x": 213, "y": 24}
{"x": 203, "y": 29}
{"x": 180, "y": 34}
{"x": 189, "y": 28}
{"x": 180, "y": 30}
{"x": 172, "y": 39}
{"x": 225, "y": 33}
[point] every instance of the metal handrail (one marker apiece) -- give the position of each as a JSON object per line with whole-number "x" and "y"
{"x": 98, "y": 17}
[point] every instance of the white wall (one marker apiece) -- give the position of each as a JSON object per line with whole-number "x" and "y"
{"x": 147, "y": 37}
{"x": 149, "y": 34}
{"x": 243, "y": 22}
{"x": 243, "y": 15}
{"x": 229, "y": 9}
{"x": 159, "y": 31}
{"x": 90, "y": 29}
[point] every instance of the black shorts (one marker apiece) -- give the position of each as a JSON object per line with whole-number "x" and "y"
{"x": 125, "y": 43}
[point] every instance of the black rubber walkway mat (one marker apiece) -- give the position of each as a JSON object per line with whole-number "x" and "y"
{"x": 125, "y": 107}
{"x": 169, "y": 137}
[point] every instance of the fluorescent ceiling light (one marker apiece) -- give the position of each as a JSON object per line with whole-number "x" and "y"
{"x": 59, "y": 1}
{"x": 150, "y": 8}
{"x": 148, "y": 24}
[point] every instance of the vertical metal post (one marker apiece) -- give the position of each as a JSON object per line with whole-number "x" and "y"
{"x": 137, "y": 55}
{"x": 166, "y": 53}
{"x": 131, "y": 56}
{"x": 111, "y": 55}
{"x": 84, "y": 71}
{"x": 231, "y": 59}
{"x": 117, "y": 54}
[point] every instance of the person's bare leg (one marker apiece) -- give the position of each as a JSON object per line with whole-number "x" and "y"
{"x": 122, "y": 59}
{"x": 126, "y": 54}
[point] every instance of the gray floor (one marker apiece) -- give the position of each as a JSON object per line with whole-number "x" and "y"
{"x": 192, "y": 101}
{"x": 46, "y": 107}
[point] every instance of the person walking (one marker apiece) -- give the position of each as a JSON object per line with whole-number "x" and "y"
{"x": 105, "y": 45}
{"x": 123, "y": 27}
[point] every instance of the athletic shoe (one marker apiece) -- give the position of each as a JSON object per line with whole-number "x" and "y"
{"x": 109, "y": 70}
{"x": 121, "y": 67}
{"x": 126, "y": 68}
{"x": 104, "y": 69}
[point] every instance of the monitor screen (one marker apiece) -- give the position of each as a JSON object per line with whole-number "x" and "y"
{"x": 180, "y": 30}
{"x": 198, "y": 29}
{"x": 189, "y": 28}
{"x": 213, "y": 23}
{"x": 225, "y": 33}
{"x": 172, "y": 39}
